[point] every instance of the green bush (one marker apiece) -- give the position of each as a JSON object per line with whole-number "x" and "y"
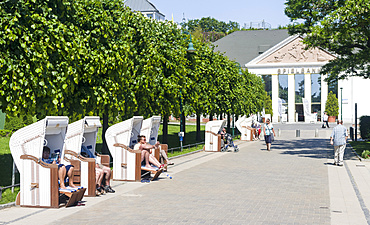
{"x": 332, "y": 105}
{"x": 365, "y": 154}
{"x": 8, "y": 196}
{"x": 14, "y": 123}
{"x": 365, "y": 127}
{"x": 5, "y": 133}
{"x": 268, "y": 105}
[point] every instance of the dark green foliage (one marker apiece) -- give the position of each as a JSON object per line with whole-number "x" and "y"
{"x": 365, "y": 127}
{"x": 268, "y": 105}
{"x": 14, "y": 123}
{"x": 341, "y": 27}
{"x": 332, "y": 105}
{"x": 209, "y": 24}
{"x": 6, "y": 133}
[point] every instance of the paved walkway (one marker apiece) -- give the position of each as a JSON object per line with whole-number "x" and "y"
{"x": 295, "y": 183}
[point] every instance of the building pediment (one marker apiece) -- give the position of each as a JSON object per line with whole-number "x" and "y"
{"x": 294, "y": 52}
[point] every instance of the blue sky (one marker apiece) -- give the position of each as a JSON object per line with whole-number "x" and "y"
{"x": 241, "y": 11}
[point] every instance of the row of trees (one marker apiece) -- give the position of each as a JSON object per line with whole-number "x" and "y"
{"x": 84, "y": 57}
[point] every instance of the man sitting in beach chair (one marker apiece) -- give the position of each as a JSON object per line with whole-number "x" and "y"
{"x": 146, "y": 157}
{"x": 63, "y": 171}
{"x": 101, "y": 172}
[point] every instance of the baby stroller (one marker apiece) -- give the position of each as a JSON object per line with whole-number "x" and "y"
{"x": 228, "y": 142}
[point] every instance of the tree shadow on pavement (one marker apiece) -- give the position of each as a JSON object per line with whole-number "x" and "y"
{"x": 313, "y": 148}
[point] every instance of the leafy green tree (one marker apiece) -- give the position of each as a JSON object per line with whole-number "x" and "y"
{"x": 331, "y": 105}
{"x": 341, "y": 27}
{"x": 268, "y": 105}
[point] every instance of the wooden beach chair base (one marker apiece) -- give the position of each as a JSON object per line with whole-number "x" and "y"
{"x": 74, "y": 196}
{"x": 155, "y": 172}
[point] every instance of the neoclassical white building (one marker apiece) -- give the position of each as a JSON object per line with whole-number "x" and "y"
{"x": 292, "y": 75}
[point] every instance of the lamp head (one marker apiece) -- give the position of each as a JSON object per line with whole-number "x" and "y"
{"x": 191, "y": 48}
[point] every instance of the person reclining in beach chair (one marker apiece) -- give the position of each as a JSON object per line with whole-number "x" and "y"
{"x": 146, "y": 157}
{"x": 63, "y": 171}
{"x": 101, "y": 172}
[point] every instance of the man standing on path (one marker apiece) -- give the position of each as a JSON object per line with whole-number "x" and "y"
{"x": 338, "y": 138}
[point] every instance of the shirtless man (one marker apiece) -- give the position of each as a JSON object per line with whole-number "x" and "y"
{"x": 145, "y": 152}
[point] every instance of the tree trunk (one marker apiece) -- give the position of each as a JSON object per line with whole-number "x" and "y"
{"x": 165, "y": 130}
{"x": 228, "y": 123}
{"x": 211, "y": 117}
{"x": 105, "y": 149}
{"x": 198, "y": 135}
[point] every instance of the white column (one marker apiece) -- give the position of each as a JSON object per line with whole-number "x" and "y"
{"x": 291, "y": 98}
{"x": 307, "y": 92}
{"x": 324, "y": 94}
{"x": 275, "y": 96}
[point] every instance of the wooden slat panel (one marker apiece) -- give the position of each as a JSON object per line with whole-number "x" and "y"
{"x": 54, "y": 188}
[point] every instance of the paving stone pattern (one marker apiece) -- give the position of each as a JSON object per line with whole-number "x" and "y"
{"x": 288, "y": 185}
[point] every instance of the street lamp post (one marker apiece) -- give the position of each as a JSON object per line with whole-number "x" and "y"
{"x": 341, "y": 104}
{"x": 190, "y": 49}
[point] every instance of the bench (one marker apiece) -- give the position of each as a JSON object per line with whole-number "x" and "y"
{"x": 212, "y": 141}
{"x": 244, "y": 126}
{"x": 121, "y": 138}
{"x": 84, "y": 132}
{"x": 38, "y": 180}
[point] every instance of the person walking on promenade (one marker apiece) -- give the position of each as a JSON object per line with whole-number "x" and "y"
{"x": 268, "y": 131}
{"x": 325, "y": 119}
{"x": 338, "y": 138}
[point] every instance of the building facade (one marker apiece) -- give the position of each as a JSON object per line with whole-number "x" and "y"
{"x": 292, "y": 76}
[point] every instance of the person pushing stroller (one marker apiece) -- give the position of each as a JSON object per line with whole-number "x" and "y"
{"x": 228, "y": 140}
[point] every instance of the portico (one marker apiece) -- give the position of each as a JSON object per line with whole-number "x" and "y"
{"x": 294, "y": 74}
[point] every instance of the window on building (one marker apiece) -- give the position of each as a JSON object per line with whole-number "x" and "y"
{"x": 150, "y": 15}
{"x": 268, "y": 84}
{"x": 316, "y": 94}
{"x": 299, "y": 94}
{"x": 283, "y": 92}
{"x": 333, "y": 86}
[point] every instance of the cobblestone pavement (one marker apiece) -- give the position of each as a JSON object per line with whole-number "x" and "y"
{"x": 288, "y": 185}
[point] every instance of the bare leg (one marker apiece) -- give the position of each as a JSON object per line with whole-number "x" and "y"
{"x": 164, "y": 155}
{"x": 107, "y": 173}
{"x": 99, "y": 176}
{"x": 62, "y": 175}
{"x": 154, "y": 161}
{"x": 70, "y": 175}
{"x": 146, "y": 158}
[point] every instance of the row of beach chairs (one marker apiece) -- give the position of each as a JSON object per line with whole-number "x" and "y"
{"x": 39, "y": 181}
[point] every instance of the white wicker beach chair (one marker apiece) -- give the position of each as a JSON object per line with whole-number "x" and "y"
{"x": 83, "y": 132}
{"x": 121, "y": 139}
{"x": 149, "y": 129}
{"x": 38, "y": 180}
{"x": 212, "y": 138}
{"x": 244, "y": 124}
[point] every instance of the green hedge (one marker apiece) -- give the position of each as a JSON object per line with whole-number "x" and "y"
{"x": 365, "y": 127}
{"x": 5, "y": 133}
{"x": 14, "y": 123}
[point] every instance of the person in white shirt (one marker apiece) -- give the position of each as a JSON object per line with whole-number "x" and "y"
{"x": 325, "y": 120}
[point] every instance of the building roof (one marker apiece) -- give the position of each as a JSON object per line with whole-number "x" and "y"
{"x": 141, "y": 6}
{"x": 244, "y": 46}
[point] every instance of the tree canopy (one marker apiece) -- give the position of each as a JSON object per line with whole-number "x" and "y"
{"x": 341, "y": 27}
{"x": 97, "y": 57}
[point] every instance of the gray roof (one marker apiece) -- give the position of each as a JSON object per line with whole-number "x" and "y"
{"x": 244, "y": 46}
{"x": 141, "y": 6}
